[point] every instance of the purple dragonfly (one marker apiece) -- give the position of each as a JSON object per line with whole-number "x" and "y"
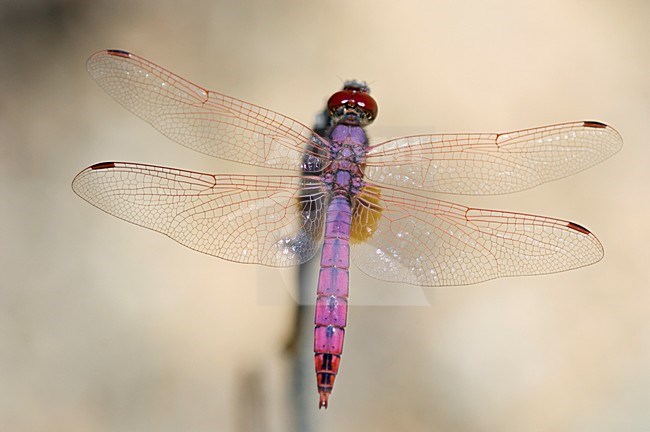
{"x": 341, "y": 194}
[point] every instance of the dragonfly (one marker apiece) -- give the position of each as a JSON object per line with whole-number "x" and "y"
{"x": 372, "y": 203}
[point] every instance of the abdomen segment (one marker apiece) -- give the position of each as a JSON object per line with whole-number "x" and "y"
{"x": 332, "y": 300}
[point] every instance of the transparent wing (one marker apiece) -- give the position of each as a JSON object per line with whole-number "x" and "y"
{"x": 203, "y": 120}
{"x": 491, "y": 163}
{"x": 247, "y": 219}
{"x": 424, "y": 241}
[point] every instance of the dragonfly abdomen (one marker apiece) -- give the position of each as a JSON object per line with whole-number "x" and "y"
{"x": 332, "y": 295}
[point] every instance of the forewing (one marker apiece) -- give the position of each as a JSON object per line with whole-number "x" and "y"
{"x": 491, "y": 163}
{"x": 428, "y": 242}
{"x": 247, "y": 219}
{"x": 203, "y": 120}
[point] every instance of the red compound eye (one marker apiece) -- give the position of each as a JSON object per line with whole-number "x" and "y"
{"x": 353, "y": 99}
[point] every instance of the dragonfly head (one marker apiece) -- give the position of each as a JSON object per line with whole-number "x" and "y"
{"x": 353, "y": 105}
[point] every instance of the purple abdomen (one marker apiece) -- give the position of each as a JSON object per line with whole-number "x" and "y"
{"x": 332, "y": 301}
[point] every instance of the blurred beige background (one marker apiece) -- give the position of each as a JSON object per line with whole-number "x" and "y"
{"x": 105, "y": 326}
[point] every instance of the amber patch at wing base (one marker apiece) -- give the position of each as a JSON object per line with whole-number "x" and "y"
{"x": 366, "y": 214}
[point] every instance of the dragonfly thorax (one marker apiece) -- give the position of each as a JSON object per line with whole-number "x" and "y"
{"x": 348, "y": 146}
